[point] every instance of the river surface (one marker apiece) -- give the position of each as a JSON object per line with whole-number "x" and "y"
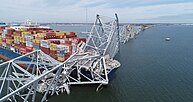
{"x": 152, "y": 69}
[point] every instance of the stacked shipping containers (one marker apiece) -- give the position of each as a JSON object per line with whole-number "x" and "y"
{"x": 53, "y": 50}
{"x": 58, "y": 44}
{"x": 29, "y": 44}
{"x": 17, "y": 41}
{"x": 9, "y": 37}
{"x": 4, "y": 38}
{"x": 0, "y": 38}
{"x": 45, "y": 46}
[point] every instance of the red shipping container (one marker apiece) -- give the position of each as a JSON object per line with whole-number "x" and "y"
{"x": 8, "y": 44}
{"x": 55, "y": 41}
{"x": 18, "y": 33}
{"x": 60, "y": 37}
{"x": 66, "y": 57}
{"x": 23, "y": 45}
{"x": 10, "y": 31}
{"x": 23, "y": 50}
{"x": 17, "y": 46}
{"x": 71, "y": 36}
{"x": 72, "y": 33}
{"x": 9, "y": 37}
{"x": 68, "y": 42}
{"x": 53, "y": 56}
{"x": 45, "y": 50}
{"x": 3, "y": 40}
{"x": 50, "y": 33}
{"x": 53, "y": 52}
{"x": 29, "y": 49}
{"x": 38, "y": 31}
{"x": 2, "y": 27}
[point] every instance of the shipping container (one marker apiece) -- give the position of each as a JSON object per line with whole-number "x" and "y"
{"x": 78, "y": 40}
{"x": 29, "y": 38}
{"x": 23, "y": 50}
{"x": 61, "y": 59}
{"x": 45, "y": 43}
{"x": 53, "y": 46}
{"x": 8, "y": 47}
{"x": 59, "y": 45}
{"x": 3, "y": 44}
{"x": 29, "y": 49}
{"x": 36, "y": 47}
{"x": 3, "y": 39}
{"x": 45, "y": 50}
{"x": 29, "y": 44}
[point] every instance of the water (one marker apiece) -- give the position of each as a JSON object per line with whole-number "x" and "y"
{"x": 152, "y": 70}
{"x": 155, "y": 70}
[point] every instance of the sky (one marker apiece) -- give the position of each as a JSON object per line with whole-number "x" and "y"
{"x": 74, "y": 11}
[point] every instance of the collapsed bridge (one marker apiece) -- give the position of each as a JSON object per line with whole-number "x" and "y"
{"x": 36, "y": 72}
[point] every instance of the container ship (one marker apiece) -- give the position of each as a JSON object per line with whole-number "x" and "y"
{"x": 60, "y": 45}
{"x": 48, "y": 61}
{"x": 24, "y": 39}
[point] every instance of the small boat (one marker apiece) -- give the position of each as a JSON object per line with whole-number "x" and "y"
{"x": 167, "y": 39}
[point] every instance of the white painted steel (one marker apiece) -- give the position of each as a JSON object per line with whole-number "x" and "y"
{"x": 37, "y": 71}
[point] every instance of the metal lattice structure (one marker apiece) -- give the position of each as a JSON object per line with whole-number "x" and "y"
{"x": 24, "y": 77}
{"x": 104, "y": 37}
{"x": 129, "y": 32}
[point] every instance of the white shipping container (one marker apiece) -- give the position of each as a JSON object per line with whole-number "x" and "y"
{"x": 28, "y": 43}
{"x": 74, "y": 49}
{"x": 67, "y": 49}
{"x": 45, "y": 45}
{"x": 29, "y": 38}
{"x": 60, "y": 55}
{"x": 5, "y": 31}
{"x": 46, "y": 42}
{"x": 3, "y": 44}
{"x": 16, "y": 42}
{"x": 62, "y": 41}
{"x": 3, "y": 35}
{"x": 12, "y": 49}
{"x": 60, "y": 47}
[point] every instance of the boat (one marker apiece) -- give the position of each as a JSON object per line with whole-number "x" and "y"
{"x": 3, "y": 24}
{"x": 53, "y": 60}
{"x": 15, "y": 48}
{"x": 167, "y": 39}
{"x": 28, "y": 24}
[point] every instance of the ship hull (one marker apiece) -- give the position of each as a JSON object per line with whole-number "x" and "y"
{"x": 110, "y": 74}
{"x": 8, "y": 55}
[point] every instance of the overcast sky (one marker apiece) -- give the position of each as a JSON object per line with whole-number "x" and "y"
{"x": 72, "y": 11}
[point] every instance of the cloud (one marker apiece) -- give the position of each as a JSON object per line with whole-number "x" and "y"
{"x": 182, "y": 18}
{"x": 74, "y": 10}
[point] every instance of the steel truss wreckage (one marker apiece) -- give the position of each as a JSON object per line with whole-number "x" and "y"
{"x": 24, "y": 77}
